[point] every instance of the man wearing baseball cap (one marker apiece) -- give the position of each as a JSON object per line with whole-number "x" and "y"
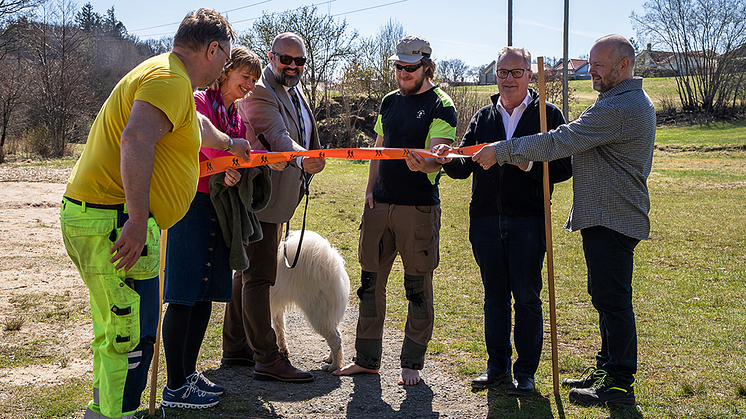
{"x": 402, "y": 211}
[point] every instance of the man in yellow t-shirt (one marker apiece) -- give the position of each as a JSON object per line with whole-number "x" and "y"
{"x": 138, "y": 174}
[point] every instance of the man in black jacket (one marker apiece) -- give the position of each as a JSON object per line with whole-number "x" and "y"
{"x": 506, "y": 226}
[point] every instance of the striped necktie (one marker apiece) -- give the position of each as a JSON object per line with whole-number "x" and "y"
{"x": 296, "y": 102}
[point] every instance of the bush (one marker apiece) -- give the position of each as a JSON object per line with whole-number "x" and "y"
{"x": 467, "y": 101}
{"x": 37, "y": 141}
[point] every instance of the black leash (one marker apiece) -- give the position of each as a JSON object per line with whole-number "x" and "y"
{"x": 306, "y": 182}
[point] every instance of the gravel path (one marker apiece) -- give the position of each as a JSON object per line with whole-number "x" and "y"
{"x": 440, "y": 394}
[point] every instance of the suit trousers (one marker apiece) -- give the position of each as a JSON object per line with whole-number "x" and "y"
{"x": 248, "y": 321}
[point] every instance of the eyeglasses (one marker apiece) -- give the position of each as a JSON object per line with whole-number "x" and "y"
{"x": 287, "y": 59}
{"x": 228, "y": 61}
{"x": 516, "y": 72}
{"x": 408, "y": 68}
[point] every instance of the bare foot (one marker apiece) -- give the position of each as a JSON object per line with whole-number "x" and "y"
{"x": 352, "y": 369}
{"x": 409, "y": 377}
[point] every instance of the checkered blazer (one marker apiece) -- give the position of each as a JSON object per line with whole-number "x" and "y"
{"x": 611, "y": 145}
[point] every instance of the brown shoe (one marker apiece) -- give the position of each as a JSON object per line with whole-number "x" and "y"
{"x": 281, "y": 370}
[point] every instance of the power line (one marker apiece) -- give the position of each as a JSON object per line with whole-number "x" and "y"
{"x": 266, "y": 1}
{"x": 369, "y": 8}
{"x": 176, "y": 23}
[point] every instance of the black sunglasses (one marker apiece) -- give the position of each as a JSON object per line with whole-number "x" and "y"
{"x": 408, "y": 68}
{"x": 287, "y": 59}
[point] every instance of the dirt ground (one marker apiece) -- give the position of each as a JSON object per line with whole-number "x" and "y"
{"x": 40, "y": 286}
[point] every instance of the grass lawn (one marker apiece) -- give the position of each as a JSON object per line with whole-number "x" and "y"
{"x": 689, "y": 280}
{"x": 688, "y": 286}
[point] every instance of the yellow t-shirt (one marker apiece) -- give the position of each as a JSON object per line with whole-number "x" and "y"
{"x": 163, "y": 82}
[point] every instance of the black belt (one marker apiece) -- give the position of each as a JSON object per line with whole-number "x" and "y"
{"x": 118, "y": 207}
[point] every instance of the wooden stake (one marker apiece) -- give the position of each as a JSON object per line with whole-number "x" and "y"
{"x": 156, "y": 346}
{"x": 548, "y": 228}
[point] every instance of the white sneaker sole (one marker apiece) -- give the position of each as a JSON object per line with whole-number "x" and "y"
{"x": 181, "y": 405}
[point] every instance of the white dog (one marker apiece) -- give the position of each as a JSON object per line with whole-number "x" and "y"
{"x": 318, "y": 285}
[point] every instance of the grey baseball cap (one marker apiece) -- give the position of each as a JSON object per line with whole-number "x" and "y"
{"x": 411, "y": 49}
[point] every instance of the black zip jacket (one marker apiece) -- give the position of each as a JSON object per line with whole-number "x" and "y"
{"x": 507, "y": 189}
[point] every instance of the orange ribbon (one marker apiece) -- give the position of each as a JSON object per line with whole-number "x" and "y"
{"x": 261, "y": 158}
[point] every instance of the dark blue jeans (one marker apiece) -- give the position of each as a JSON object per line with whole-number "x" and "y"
{"x": 609, "y": 256}
{"x": 510, "y": 253}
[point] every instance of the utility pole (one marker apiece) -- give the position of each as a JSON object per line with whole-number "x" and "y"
{"x": 565, "y": 104}
{"x": 510, "y": 22}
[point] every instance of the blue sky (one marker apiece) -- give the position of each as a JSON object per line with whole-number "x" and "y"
{"x": 471, "y": 30}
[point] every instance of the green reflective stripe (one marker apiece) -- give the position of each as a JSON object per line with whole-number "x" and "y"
{"x": 379, "y": 126}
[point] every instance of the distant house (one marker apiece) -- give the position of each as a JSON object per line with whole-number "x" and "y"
{"x": 654, "y": 62}
{"x": 577, "y": 69}
{"x": 487, "y": 76}
{"x": 664, "y": 63}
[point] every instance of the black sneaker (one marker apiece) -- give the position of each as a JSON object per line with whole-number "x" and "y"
{"x": 607, "y": 390}
{"x": 590, "y": 375}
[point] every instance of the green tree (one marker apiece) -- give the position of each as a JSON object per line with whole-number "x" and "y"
{"x": 88, "y": 19}
{"x": 112, "y": 26}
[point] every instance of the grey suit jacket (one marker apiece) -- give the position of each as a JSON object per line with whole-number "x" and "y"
{"x": 271, "y": 113}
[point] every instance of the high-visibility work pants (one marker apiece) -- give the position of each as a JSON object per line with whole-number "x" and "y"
{"x": 124, "y": 306}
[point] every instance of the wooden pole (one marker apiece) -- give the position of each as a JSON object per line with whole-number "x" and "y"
{"x": 156, "y": 347}
{"x": 548, "y": 229}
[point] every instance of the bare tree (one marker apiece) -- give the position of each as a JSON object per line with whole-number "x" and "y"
{"x": 453, "y": 70}
{"x": 10, "y": 11}
{"x": 62, "y": 54}
{"x": 554, "y": 88}
{"x": 702, "y": 34}
{"x": 327, "y": 40}
{"x": 14, "y": 86}
{"x": 373, "y": 59}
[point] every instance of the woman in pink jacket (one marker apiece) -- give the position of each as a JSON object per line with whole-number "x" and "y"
{"x": 197, "y": 269}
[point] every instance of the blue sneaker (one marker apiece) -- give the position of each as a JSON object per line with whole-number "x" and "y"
{"x": 205, "y": 384}
{"x": 188, "y": 396}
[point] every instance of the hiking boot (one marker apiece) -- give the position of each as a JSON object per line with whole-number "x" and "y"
{"x": 204, "y": 384}
{"x": 281, "y": 370}
{"x": 607, "y": 390}
{"x": 590, "y": 375}
{"x": 490, "y": 380}
{"x": 188, "y": 396}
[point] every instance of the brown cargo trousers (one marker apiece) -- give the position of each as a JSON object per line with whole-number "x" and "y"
{"x": 385, "y": 231}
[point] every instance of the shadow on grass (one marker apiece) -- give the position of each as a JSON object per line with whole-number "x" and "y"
{"x": 501, "y": 405}
{"x": 619, "y": 412}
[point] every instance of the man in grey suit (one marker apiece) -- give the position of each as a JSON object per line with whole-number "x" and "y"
{"x": 278, "y": 112}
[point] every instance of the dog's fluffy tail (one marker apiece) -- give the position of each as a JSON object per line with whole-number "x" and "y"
{"x": 318, "y": 264}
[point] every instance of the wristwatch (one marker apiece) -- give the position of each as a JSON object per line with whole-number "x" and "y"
{"x": 230, "y": 145}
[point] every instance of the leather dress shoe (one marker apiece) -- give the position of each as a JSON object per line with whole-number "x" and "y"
{"x": 522, "y": 386}
{"x": 243, "y": 358}
{"x": 281, "y": 370}
{"x": 488, "y": 380}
